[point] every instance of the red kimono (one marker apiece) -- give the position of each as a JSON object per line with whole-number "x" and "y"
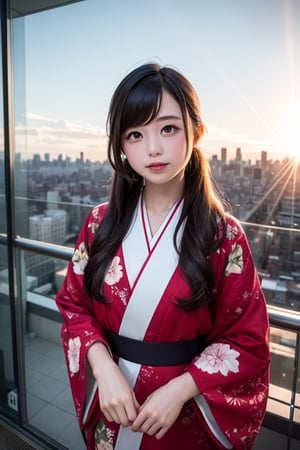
{"x": 142, "y": 284}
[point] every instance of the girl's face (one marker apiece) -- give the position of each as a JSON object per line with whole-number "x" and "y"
{"x": 158, "y": 151}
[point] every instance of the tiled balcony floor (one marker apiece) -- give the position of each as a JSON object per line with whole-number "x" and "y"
{"x": 49, "y": 402}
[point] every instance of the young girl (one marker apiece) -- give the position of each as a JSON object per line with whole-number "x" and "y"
{"x": 165, "y": 324}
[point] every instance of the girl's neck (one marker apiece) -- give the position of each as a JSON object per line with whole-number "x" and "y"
{"x": 158, "y": 204}
{"x": 159, "y": 199}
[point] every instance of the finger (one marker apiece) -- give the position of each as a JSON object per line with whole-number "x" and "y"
{"x": 142, "y": 406}
{"x": 153, "y": 429}
{"x": 147, "y": 425}
{"x": 123, "y": 417}
{"x": 137, "y": 423}
{"x": 110, "y": 415}
{"x": 161, "y": 432}
{"x": 136, "y": 403}
{"x": 131, "y": 412}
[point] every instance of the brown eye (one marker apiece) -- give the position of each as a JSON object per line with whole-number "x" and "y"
{"x": 169, "y": 129}
{"x": 133, "y": 135}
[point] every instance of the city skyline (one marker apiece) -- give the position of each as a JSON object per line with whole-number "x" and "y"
{"x": 242, "y": 58}
{"x": 236, "y": 154}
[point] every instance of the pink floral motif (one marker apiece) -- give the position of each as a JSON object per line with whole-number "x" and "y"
{"x": 114, "y": 273}
{"x": 231, "y": 232}
{"x": 235, "y": 398}
{"x": 122, "y": 294}
{"x": 258, "y": 398}
{"x": 80, "y": 259}
{"x": 235, "y": 261}
{"x": 73, "y": 354}
{"x": 218, "y": 358}
{"x": 239, "y": 310}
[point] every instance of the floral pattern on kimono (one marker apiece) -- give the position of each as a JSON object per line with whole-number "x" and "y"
{"x": 103, "y": 437}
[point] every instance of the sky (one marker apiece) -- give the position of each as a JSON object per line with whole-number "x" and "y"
{"x": 241, "y": 56}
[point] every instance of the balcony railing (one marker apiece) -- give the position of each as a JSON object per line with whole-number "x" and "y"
{"x": 283, "y": 413}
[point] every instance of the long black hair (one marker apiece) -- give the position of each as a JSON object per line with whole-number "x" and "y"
{"x": 135, "y": 102}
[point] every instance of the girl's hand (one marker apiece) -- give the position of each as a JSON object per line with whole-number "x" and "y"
{"x": 117, "y": 400}
{"x": 163, "y": 406}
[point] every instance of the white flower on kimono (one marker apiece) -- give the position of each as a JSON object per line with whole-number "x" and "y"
{"x": 73, "y": 354}
{"x": 231, "y": 232}
{"x": 95, "y": 212}
{"x": 114, "y": 273}
{"x": 245, "y": 295}
{"x": 80, "y": 259}
{"x": 218, "y": 358}
{"x": 93, "y": 226}
{"x": 235, "y": 261}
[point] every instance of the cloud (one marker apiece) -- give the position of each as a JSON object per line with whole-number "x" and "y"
{"x": 57, "y": 130}
{"x": 216, "y": 133}
{"x": 42, "y": 134}
{"x": 26, "y": 131}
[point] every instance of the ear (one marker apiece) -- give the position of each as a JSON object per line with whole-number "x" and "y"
{"x": 198, "y": 133}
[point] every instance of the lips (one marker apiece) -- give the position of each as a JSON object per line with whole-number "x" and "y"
{"x": 156, "y": 167}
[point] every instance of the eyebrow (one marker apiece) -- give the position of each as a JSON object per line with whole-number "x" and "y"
{"x": 161, "y": 118}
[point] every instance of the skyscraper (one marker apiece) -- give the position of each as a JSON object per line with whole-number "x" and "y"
{"x": 264, "y": 159}
{"x": 238, "y": 155}
{"x": 224, "y": 155}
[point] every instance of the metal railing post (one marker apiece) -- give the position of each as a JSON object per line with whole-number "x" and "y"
{"x": 294, "y": 390}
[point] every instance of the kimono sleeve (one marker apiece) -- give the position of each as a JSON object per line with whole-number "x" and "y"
{"x": 232, "y": 373}
{"x": 80, "y": 327}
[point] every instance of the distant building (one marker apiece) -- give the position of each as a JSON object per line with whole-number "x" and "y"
{"x": 37, "y": 157}
{"x": 238, "y": 154}
{"x": 264, "y": 159}
{"x": 224, "y": 155}
{"x": 53, "y": 198}
{"x": 257, "y": 173}
{"x": 49, "y": 227}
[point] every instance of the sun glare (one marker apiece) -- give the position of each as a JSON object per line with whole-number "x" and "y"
{"x": 290, "y": 131}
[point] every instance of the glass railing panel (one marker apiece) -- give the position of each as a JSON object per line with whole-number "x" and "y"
{"x": 49, "y": 404}
{"x": 44, "y": 359}
{"x": 55, "y": 222}
{"x": 8, "y": 393}
{"x": 282, "y": 348}
{"x": 276, "y": 253}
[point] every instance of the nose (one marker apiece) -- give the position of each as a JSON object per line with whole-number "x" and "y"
{"x": 154, "y": 147}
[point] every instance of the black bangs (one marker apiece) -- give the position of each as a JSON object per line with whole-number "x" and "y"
{"x": 143, "y": 103}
